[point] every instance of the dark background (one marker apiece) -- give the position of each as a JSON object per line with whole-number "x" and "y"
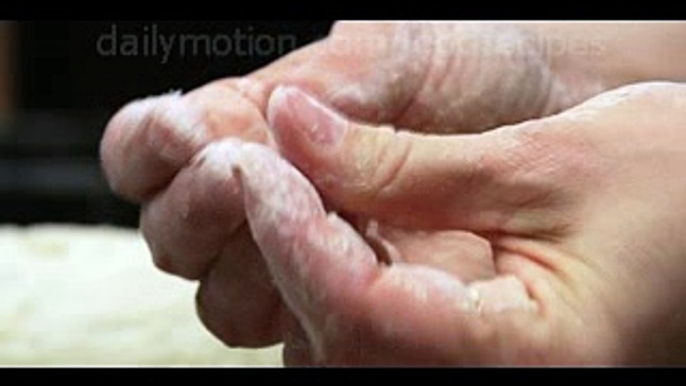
{"x": 64, "y": 91}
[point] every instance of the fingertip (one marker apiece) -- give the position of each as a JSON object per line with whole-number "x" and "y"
{"x": 118, "y": 137}
{"x": 502, "y": 293}
{"x": 293, "y": 113}
{"x": 277, "y": 107}
{"x": 147, "y": 141}
{"x": 174, "y": 126}
{"x": 280, "y": 119}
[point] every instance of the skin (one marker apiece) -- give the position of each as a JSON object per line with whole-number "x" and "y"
{"x": 555, "y": 233}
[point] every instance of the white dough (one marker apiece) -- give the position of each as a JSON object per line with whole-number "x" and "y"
{"x": 77, "y": 295}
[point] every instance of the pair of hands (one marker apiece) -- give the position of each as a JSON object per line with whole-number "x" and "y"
{"x": 525, "y": 215}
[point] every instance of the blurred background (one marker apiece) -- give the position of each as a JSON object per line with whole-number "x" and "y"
{"x": 77, "y": 284}
{"x": 61, "y": 81}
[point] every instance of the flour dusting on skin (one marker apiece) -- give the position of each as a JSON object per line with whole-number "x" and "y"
{"x": 284, "y": 191}
{"x": 249, "y": 87}
{"x": 599, "y": 105}
{"x": 318, "y": 260}
{"x": 177, "y": 120}
{"x": 501, "y": 294}
{"x": 397, "y": 64}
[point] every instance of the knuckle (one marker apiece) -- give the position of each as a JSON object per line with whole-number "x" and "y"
{"x": 232, "y": 327}
{"x": 393, "y": 160}
{"x": 160, "y": 258}
{"x": 163, "y": 263}
{"x": 378, "y": 162}
{"x": 173, "y": 265}
{"x": 173, "y": 130}
{"x": 216, "y": 322}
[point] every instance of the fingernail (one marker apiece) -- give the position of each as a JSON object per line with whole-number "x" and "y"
{"x": 289, "y": 107}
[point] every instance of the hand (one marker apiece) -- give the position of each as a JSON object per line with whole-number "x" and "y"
{"x": 194, "y": 228}
{"x": 582, "y": 213}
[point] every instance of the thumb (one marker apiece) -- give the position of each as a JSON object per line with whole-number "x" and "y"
{"x": 475, "y": 181}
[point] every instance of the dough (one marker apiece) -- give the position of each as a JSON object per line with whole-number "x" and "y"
{"x": 80, "y": 295}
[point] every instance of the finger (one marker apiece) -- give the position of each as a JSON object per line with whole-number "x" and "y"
{"x": 148, "y": 141}
{"x": 275, "y": 193}
{"x": 195, "y": 229}
{"x": 351, "y": 308}
{"x": 297, "y": 351}
{"x": 429, "y": 77}
{"x": 482, "y": 182}
{"x": 463, "y": 254}
{"x": 236, "y": 299}
{"x": 188, "y": 224}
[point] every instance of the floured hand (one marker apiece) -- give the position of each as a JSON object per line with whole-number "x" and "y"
{"x": 580, "y": 212}
{"x": 334, "y": 282}
{"x": 194, "y": 221}
{"x": 385, "y": 73}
